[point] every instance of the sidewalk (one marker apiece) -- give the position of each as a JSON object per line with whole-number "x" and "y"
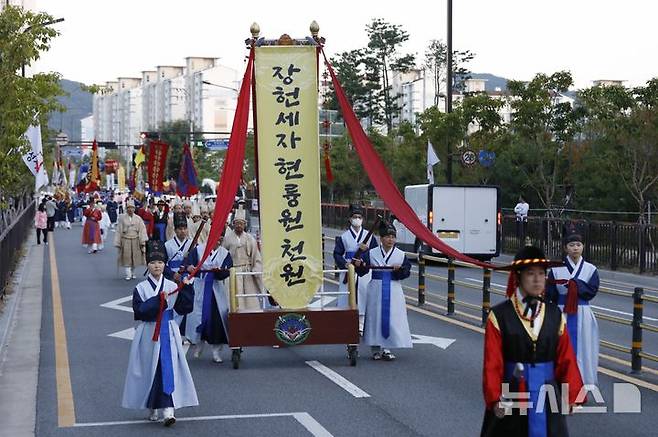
{"x": 20, "y": 332}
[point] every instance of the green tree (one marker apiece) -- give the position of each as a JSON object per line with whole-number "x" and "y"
{"x": 23, "y": 101}
{"x": 436, "y": 61}
{"x": 543, "y": 128}
{"x": 624, "y": 122}
{"x": 382, "y": 58}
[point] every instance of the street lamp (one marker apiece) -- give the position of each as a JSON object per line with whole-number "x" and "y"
{"x": 28, "y": 28}
{"x": 205, "y": 82}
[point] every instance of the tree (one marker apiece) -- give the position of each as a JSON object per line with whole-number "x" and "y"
{"x": 436, "y": 60}
{"x": 625, "y": 123}
{"x": 23, "y": 101}
{"x": 543, "y": 126}
{"x": 349, "y": 68}
{"x": 382, "y": 58}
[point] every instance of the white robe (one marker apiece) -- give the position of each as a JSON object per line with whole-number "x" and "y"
{"x": 586, "y": 341}
{"x": 400, "y": 336}
{"x": 144, "y": 355}
{"x": 351, "y": 245}
{"x": 214, "y": 261}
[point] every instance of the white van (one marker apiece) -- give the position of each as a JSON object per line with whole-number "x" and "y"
{"x": 466, "y": 217}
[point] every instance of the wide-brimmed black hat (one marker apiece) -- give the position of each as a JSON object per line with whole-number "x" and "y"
{"x": 155, "y": 251}
{"x": 180, "y": 220}
{"x": 387, "y": 228}
{"x": 355, "y": 208}
{"x": 529, "y": 256}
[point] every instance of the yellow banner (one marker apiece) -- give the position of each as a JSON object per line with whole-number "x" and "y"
{"x": 121, "y": 178}
{"x": 289, "y": 172}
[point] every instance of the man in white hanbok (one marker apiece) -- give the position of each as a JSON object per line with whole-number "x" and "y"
{"x": 386, "y": 324}
{"x": 158, "y": 377}
{"x": 347, "y": 245}
{"x": 208, "y": 322}
{"x": 572, "y": 287}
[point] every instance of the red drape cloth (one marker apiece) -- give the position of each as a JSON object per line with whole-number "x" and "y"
{"x": 383, "y": 182}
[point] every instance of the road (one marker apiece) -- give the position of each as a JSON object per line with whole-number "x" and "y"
{"x": 427, "y": 391}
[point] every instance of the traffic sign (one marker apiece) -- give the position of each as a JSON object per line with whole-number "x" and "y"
{"x": 62, "y": 139}
{"x": 216, "y": 144}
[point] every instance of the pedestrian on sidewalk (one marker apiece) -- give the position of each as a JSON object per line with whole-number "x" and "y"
{"x": 527, "y": 351}
{"x": 158, "y": 376}
{"x": 51, "y": 209}
{"x": 521, "y": 211}
{"x": 572, "y": 287}
{"x": 386, "y": 325}
{"x": 347, "y": 244}
{"x": 130, "y": 239}
{"x": 208, "y": 322}
{"x": 41, "y": 224}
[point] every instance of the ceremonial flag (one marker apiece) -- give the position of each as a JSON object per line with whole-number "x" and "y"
{"x": 140, "y": 157}
{"x": 93, "y": 176}
{"x": 327, "y": 164}
{"x": 71, "y": 175}
{"x": 56, "y": 176}
{"x": 432, "y": 160}
{"x": 187, "y": 182}
{"x": 121, "y": 177}
{"x": 34, "y": 157}
{"x": 65, "y": 181}
{"x": 157, "y": 163}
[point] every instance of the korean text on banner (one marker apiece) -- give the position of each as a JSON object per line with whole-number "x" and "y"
{"x": 289, "y": 172}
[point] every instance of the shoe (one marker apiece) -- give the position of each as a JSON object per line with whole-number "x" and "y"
{"x": 168, "y": 415}
{"x": 198, "y": 350}
{"x": 127, "y": 278}
{"x": 89, "y": 251}
{"x": 46, "y": 243}
{"x": 387, "y": 355}
{"x": 153, "y": 415}
{"x": 133, "y": 276}
{"x": 216, "y": 357}
{"x": 377, "y": 356}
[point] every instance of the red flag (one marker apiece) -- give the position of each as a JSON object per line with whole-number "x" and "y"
{"x": 157, "y": 164}
{"x": 383, "y": 182}
{"x": 94, "y": 174}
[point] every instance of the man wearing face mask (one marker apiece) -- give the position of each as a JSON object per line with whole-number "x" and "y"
{"x": 346, "y": 246}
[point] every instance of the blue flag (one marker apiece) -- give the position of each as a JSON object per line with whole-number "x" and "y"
{"x": 186, "y": 185}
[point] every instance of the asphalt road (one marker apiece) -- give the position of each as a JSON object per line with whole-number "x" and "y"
{"x": 427, "y": 391}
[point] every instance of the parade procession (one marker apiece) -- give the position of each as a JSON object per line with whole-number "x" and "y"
{"x": 265, "y": 250}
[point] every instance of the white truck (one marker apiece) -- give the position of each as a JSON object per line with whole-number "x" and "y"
{"x": 466, "y": 217}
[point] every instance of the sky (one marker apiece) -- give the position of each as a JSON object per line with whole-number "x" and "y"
{"x": 515, "y": 39}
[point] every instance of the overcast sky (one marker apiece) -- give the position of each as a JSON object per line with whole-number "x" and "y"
{"x": 516, "y": 39}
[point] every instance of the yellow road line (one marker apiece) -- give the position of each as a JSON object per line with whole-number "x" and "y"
{"x": 630, "y": 379}
{"x": 626, "y": 363}
{"x": 65, "y": 405}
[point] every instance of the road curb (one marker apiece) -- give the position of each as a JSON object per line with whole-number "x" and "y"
{"x": 19, "y": 358}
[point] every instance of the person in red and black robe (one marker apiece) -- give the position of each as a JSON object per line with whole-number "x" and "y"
{"x": 91, "y": 232}
{"x": 527, "y": 346}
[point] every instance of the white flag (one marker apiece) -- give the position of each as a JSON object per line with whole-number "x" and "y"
{"x": 432, "y": 160}
{"x": 71, "y": 175}
{"x": 34, "y": 157}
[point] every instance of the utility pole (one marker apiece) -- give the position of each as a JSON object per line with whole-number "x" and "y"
{"x": 449, "y": 91}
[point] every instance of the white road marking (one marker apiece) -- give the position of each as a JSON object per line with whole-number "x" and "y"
{"x": 622, "y": 312}
{"x": 116, "y": 304}
{"x": 304, "y": 419}
{"x": 126, "y": 334}
{"x": 479, "y": 281}
{"x": 326, "y": 301}
{"x": 338, "y": 379}
{"x": 440, "y": 342}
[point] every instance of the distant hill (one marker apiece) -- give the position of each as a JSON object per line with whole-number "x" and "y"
{"x": 79, "y": 105}
{"x": 493, "y": 82}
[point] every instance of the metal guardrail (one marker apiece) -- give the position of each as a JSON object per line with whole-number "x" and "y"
{"x": 637, "y": 322}
{"x": 611, "y": 244}
{"x": 12, "y": 236}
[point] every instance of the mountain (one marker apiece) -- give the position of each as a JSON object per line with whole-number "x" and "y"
{"x": 493, "y": 81}
{"x": 79, "y": 104}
